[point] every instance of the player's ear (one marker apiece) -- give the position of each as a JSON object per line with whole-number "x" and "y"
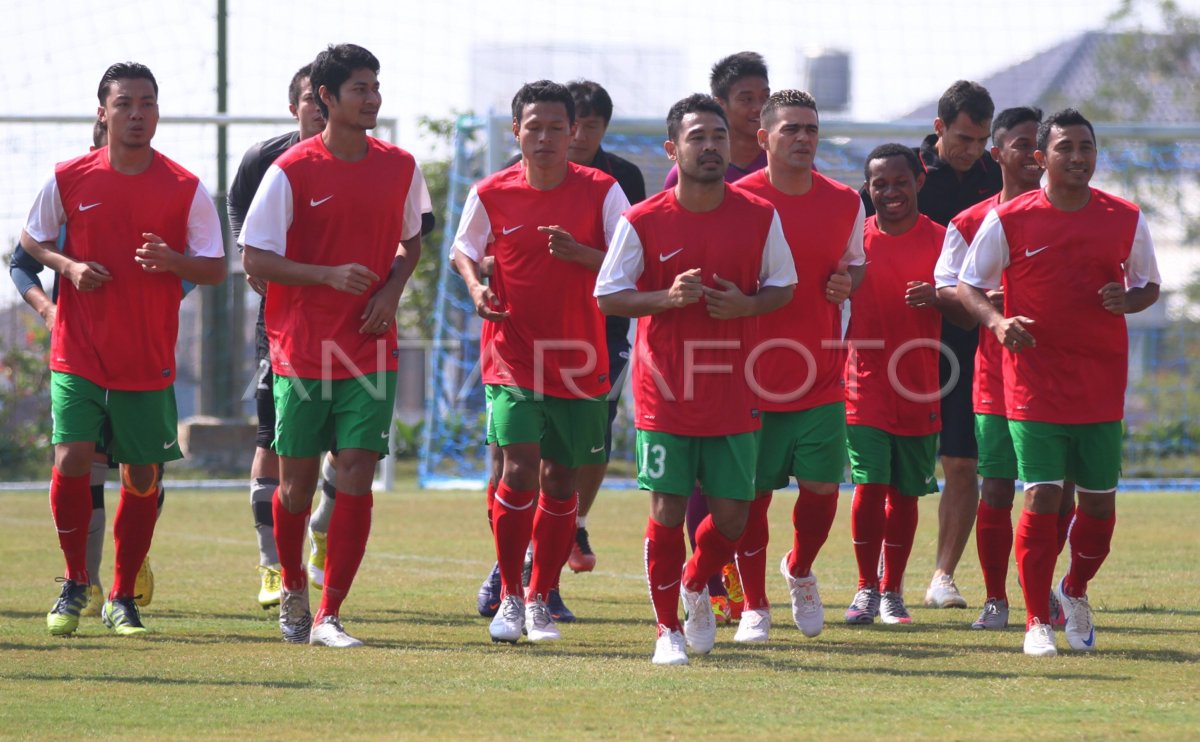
{"x": 939, "y": 127}
{"x": 1040, "y": 158}
{"x": 325, "y": 96}
{"x": 669, "y": 146}
{"x": 995, "y": 152}
{"x": 920, "y": 182}
{"x": 100, "y": 114}
{"x": 762, "y": 139}
{"x": 516, "y": 128}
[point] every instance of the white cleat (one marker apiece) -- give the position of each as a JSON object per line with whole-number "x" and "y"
{"x": 807, "y": 610}
{"x": 699, "y": 623}
{"x": 943, "y": 593}
{"x": 994, "y": 615}
{"x": 1081, "y": 626}
{"x": 892, "y": 609}
{"x": 670, "y": 649}
{"x": 1039, "y": 640}
{"x": 509, "y": 620}
{"x": 754, "y": 626}
{"x": 329, "y": 633}
{"x": 539, "y": 624}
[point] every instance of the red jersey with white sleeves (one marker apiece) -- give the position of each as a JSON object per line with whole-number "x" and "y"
{"x": 122, "y": 335}
{"x": 317, "y": 209}
{"x": 987, "y": 389}
{"x": 553, "y": 339}
{"x": 1053, "y": 264}
{"x": 824, "y": 227}
{"x": 892, "y": 368}
{"x": 689, "y": 370}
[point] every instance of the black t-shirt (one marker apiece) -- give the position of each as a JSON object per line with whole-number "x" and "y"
{"x": 945, "y": 195}
{"x": 250, "y": 174}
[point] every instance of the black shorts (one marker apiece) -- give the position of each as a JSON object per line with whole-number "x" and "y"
{"x": 264, "y": 402}
{"x": 616, "y": 331}
{"x": 958, "y": 413}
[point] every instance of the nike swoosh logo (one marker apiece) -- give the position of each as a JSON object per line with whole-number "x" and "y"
{"x": 928, "y": 480}
{"x": 383, "y": 435}
{"x": 752, "y": 553}
{"x": 168, "y": 445}
{"x": 318, "y": 202}
{"x": 82, "y": 207}
{"x": 665, "y": 258}
{"x": 510, "y": 230}
{"x": 598, "y": 449}
{"x": 668, "y": 586}
{"x": 1030, "y": 253}
{"x": 1091, "y": 639}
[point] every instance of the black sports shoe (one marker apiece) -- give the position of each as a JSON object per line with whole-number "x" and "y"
{"x": 558, "y": 609}
{"x": 487, "y": 600}
{"x": 582, "y": 558}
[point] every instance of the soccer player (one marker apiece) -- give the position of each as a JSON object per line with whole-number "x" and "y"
{"x": 696, "y": 264}
{"x": 264, "y": 471}
{"x": 137, "y": 226}
{"x": 892, "y": 387}
{"x": 547, "y": 223}
{"x": 1073, "y": 261}
{"x": 335, "y": 230}
{"x": 804, "y": 411}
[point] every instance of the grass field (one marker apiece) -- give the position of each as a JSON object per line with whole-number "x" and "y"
{"x": 214, "y": 666}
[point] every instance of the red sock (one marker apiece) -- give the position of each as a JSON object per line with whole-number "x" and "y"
{"x": 866, "y": 529}
{"x": 512, "y": 524}
{"x": 993, "y": 541}
{"x": 133, "y": 529}
{"x": 713, "y": 551}
{"x": 1064, "y": 527}
{"x": 1034, "y": 547}
{"x": 697, "y": 511}
{"x": 751, "y": 555}
{"x": 345, "y": 544}
{"x": 812, "y": 518}
{"x": 665, "y": 554}
{"x": 491, "y": 502}
{"x": 1091, "y": 539}
{"x": 899, "y": 530}
{"x": 553, "y": 534}
{"x": 71, "y": 510}
{"x": 289, "y": 543}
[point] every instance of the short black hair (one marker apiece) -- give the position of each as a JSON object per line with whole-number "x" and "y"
{"x": 787, "y": 99}
{"x": 591, "y": 99}
{"x": 967, "y": 97}
{"x": 334, "y": 66}
{"x": 294, "y": 91}
{"x": 1062, "y": 119}
{"x": 124, "y": 71}
{"x": 99, "y": 132}
{"x": 729, "y": 70}
{"x": 884, "y": 151}
{"x": 1012, "y": 117}
{"x": 543, "y": 91}
{"x": 694, "y": 103}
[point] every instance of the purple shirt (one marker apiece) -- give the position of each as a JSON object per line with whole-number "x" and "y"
{"x": 733, "y": 173}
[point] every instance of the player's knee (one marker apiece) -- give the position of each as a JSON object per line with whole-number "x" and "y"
{"x": 74, "y": 459}
{"x": 140, "y": 480}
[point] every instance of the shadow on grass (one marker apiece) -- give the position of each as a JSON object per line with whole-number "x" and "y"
{"x": 155, "y": 680}
{"x": 1152, "y": 610}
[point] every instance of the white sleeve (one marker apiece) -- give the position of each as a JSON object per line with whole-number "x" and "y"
{"x": 204, "y": 236}
{"x": 623, "y": 263}
{"x": 1141, "y": 267}
{"x": 415, "y": 205}
{"x": 474, "y": 229}
{"x": 270, "y": 214}
{"x": 47, "y": 215}
{"x": 615, "y": 204}
{"x": 778, "y": 268}
{"x": 855, "y": 254}
{"x": 950, "y": 262}
{"x": 983, "y": 267}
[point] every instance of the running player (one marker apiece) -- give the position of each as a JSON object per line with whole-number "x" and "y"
{"x": 340, "y": 196}
{"x": 892, "y": 382}
{"x": 264, "y": 471}
{"x": 547, "y": 223}
{"x": 804, "y": 413}
{"x": 1073, "y": 261}
{"x": 137, "y": 226}
{"x": 695, "y": 264}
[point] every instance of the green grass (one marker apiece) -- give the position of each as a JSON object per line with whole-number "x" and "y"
{"x": 214, "y": 666}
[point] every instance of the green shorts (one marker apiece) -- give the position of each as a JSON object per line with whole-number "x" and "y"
{"x": 570, "y": 431}
{"x": 311, "y": 414}
{"x": 489, "y": 436}
{"x": 672, "y": 464}
{"x": 138, "y": 427}
{"x": 904, "y": 461}
{"x": 1088, "y": 454}
{"x": 997, "y": 457}
{"x": 809, "y": 445}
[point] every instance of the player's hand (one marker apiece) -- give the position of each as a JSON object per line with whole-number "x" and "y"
{"x": 155, "y": 256}
{"x": 686, "y": 289}
{"x": 1112, "y": 296}
{"x": 996, "y": 297}
{"x": 381, "y": 310}
{"x": 351, "y": 278}
{"x": 48, "y": 313}
{"x": 728, "y": 301}
{"x": 562, "y": 245}
{"x": 259, "y": 285}
{"x": 920, "y": 294}
{"x": 837, "y": 288}
{"x": 487, "y": 304}
{"x": 1013, "y": 335}
{"x": 87, "y": 276}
